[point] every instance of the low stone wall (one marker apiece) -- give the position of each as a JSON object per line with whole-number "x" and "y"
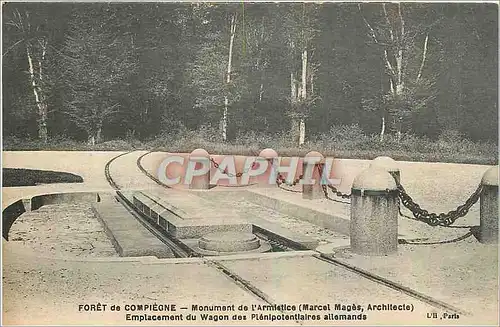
{"x": 9, "y": 216}
{"x": 16, "y": 209}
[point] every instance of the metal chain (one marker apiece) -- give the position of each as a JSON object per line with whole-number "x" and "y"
{"x": 432, "y": 219}
{"x": 336, "y": 192}
{"x": 442, "y": 219}
{"x": 282, "y": 180}
{"x": 457, "y": 239}
{"x": 216, "y": 165}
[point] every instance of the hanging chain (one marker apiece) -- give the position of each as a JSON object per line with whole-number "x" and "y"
{"x": 245, "y": 171}
{"x": 433, "y": 219}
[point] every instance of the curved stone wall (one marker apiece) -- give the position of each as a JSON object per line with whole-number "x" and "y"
{"x": 16, "y": 209}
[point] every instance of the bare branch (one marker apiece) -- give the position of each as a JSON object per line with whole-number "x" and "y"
{"x": 388, "y": 63}
{"x": 401, "y": 20}
{"x": 12, "y": 23}
{"x": 388, "y": 22}
{"x": 110, "y": 110}
{"x": 43, "y": 44}
{"x": 75, "y": 116}
{"x": 12, "y": 46}
{"x": 376, "y": 40}
{"x": 372, "y": 31}
{"x": 400, "y": 47}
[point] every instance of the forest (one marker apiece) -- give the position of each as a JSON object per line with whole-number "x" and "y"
{"x": 246, "y": 73}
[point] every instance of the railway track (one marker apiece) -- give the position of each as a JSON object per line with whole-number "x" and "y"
{"x": 147, "y": 173}
{"x": 180, "y": 250}
{"x": 277, "y": 242}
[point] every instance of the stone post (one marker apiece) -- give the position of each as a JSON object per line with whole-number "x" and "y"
{"x": 312, "y": 161}
{"x": 389, "y": 165}
{"x": 270, "y": 157}
{"x": 489, "y": 207}
{"x": 374, "y": 213}
{"x": 199, "y": 159}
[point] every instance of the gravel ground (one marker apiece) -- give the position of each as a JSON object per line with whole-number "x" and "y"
{"x": 65, "y": 230}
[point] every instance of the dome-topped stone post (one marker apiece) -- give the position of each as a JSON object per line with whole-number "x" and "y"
{"x": 390, "y": 165}
{"x": 313, "y": 162}
{"x": 374, "y": 213}
{"x": 489, "y": 207}
{"x": 198, "y": 171}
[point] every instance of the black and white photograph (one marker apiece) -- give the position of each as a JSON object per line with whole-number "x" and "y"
{"x": 250, "y": 163}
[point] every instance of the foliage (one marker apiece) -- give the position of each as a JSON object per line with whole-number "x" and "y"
{"x": 97, "y": 64}
{"x": 142, "y": 71}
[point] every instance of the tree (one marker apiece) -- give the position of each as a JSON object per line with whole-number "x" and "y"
{"x": 404, "y": 46}
{"x": 300, "y": 26}
{"x": 212, "y": 73}
{"x": 99, "y": 61}
{"x": 35, "y": 40}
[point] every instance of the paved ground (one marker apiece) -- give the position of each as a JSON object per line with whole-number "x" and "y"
{"x": 89, "y": 165}
{"x": 463, "y": 274}
{"x": 47, "y": 291}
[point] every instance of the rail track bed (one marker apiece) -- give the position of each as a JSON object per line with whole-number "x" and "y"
{"x": 326, "y": 270}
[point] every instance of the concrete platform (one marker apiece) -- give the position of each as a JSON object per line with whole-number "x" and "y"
{"x": 129, "y": 237}
{"x": 187, "y": 216}
{"x": 291, "y": 278}
{"x": 177, "y": 211}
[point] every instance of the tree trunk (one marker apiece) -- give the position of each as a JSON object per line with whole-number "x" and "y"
{"x": 95, "y": 136}
{"x": 293, "y": 100}
{"x": 302, "y": 131}
{"x": 98, "y": 137}
{"x": 42, "y": 133}
{"x": 423, "y": 58}
{"x": 303, "y": 97}
{"x": 42, "y": 123}
{"x": 382, "y": 131}
{"x": 91, "y": 139}
{"x": 228, "y": 78}
{"x": 223, "y": 123}
{"x": 42, "y": 107}
{"x": 261, "y": 61}
{"x": 304, "y": 75}
{"x": 312, "y": 83}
